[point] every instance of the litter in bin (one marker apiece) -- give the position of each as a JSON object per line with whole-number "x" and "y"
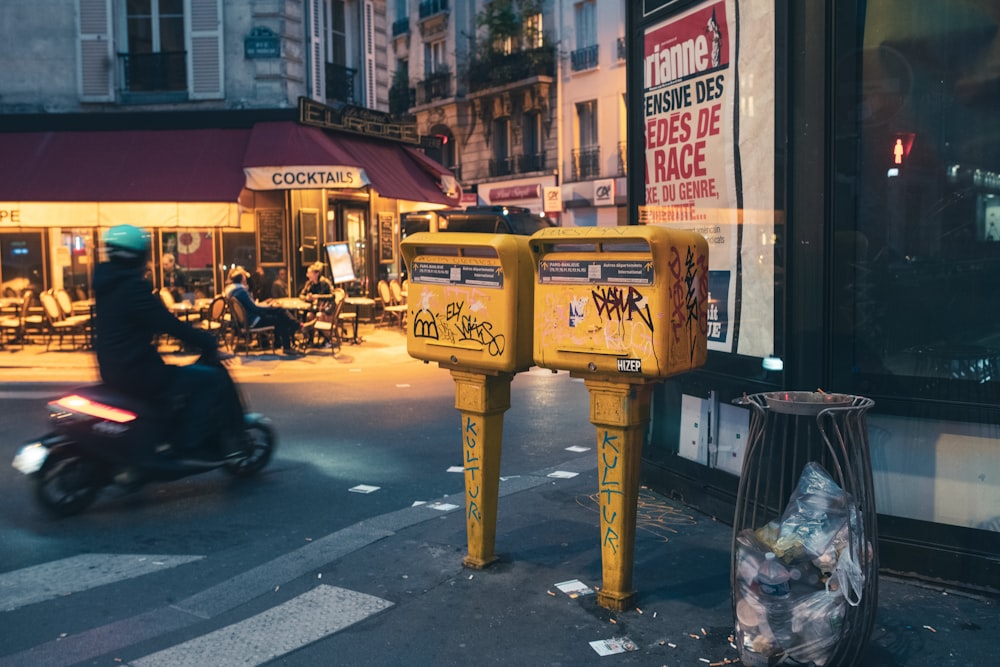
{"x": 794, "y": 577}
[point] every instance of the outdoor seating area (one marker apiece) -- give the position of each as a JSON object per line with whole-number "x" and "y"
{"x": 60, "y": 323}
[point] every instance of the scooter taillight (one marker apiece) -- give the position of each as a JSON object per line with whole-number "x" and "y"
{"x": 85, "y": 406}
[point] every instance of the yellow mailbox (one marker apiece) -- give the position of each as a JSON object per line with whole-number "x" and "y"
{"x": 470, "y": 300}
{"x": 621, "y": 307}
{"x": 470, "y": 310}
{"x": 621, "y": 301}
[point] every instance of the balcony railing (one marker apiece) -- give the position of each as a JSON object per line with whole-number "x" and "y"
{"x": 531, "y": 162}
{"x": 502, "y": 166}
{"x": 622, "y": 51}
{"x": 436, "y": 86}
{"x": 401, "y": 26}
{"x": 584, "y": 59}
{"x": 586, "y": 163}
{"x": 340, "y": 82}
{"x": 496, "y": 69}
{"x": 622, "y": 159}
{"x": 154, "y": 72}
{"x": 432, "y": 7}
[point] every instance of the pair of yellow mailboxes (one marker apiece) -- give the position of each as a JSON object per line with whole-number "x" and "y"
{"x": 619, "y": 301}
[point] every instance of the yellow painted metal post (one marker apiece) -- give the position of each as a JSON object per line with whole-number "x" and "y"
{"x": 620, "y": 411}
{"x": 481, "y": 399}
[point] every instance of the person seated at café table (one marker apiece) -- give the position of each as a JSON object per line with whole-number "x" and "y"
{"x": 260, "y": 284}
{"x": 279, "y": 288}
{"x": 316, "y": 283}
{"x": 285, "y": 327}
{"x": 174, "y": 278}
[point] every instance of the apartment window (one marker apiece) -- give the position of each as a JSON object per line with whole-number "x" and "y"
{"x": 585, "y": 19}
{"x": 336, "y": 39}
{"x": 532, "y": 153}
{"x": 434, "y": 57}
{"x": 156, "y": 60}
{"x": 533, "y": 31}
{"x": 586, "y": 162}
{"x": 500, "y": 165}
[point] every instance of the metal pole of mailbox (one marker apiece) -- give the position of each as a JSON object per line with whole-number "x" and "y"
{"x": 620, "y": 411}
{"x": 481, "y": 400}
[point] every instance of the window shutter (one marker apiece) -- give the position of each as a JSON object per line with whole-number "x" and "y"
{"x": 370, "y": 91}
{"x": 317, "y": 61}
{"x": 205, "y": 70}
{"x": 95, "y": 55}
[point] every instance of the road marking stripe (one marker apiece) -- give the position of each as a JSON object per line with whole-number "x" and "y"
{"x": 76, "y": 574}
{"x": 273, "y": 633}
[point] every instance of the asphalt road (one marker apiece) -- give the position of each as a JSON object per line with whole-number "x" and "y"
{"x": 392, "y": 426}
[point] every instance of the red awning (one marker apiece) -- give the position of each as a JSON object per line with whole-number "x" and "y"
{"x": 177, "y": 177}
{"x": 338, "y": 159}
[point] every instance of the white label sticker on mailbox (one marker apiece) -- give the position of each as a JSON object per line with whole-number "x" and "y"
{"x": 441, "y": 273}
{"x": 589, "y": 271}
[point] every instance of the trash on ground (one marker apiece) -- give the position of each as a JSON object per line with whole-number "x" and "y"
{"x": 574, "y": 588}
{"x": 563, "y": 474}
{"x": 613, "y": 645}
{"x": 577, "y": 448}
{"x": 443, "y": 507}
{"x": 456, "y": 469}
{"x": 364, "y": 488}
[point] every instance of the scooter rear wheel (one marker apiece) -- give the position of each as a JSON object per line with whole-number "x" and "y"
{"x": 259, "y": 443}
{"x": 68, "y": 484}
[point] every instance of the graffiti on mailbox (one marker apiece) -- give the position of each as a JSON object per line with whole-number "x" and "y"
{"x": 611, "y": 492}
{"x": 472, "y": 481}
{"x": 618, "y": 304}
{"x": 459, "y": 320}
{"x": 689, "y": 296}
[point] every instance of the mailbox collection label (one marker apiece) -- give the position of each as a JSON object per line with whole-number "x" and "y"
{"x": 589, "y": 271}
{"x": 447, "y": 273}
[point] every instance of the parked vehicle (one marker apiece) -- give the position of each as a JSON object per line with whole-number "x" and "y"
{"x": 101, "y": 438}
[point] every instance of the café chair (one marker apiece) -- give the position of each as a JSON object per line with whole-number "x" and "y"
{"x": 15, "y": 327}
{"x": 394, "y": 312}
{"x": 245, "y": 331}
{"x": 57, "y": 323}
{"x": 216, "y": 320}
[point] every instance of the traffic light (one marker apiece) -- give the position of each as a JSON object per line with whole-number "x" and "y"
{"x": 902, "y": 142}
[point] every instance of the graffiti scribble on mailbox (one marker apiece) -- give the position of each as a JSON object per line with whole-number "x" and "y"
{"x": 472, "y": 483}
{"x": 610, "y": 489}
{"x": 690, "y": 285}
{"x": 424, "y": 325}
{"x": 454, "y": 310}
{"x": 617, "y": 304}
{"x": 472, "y": 329}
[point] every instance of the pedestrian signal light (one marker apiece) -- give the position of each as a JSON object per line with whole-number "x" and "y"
{"x": 901, "y": 144}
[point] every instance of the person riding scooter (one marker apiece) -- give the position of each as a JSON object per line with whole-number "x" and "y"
{"x": 129, "y": 319}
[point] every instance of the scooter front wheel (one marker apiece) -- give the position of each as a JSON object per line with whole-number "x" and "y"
{"x": 258, "y": 445}
{"x": 68, "y": 483}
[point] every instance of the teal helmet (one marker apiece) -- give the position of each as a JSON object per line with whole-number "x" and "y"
{"x": 127, "y": 242}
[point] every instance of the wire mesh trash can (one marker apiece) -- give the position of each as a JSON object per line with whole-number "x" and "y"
{"x": 806, "y": 496}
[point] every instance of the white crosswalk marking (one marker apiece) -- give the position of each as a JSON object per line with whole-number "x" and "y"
{"x": 78, "y": 573}
{"x": 273, "y": 633}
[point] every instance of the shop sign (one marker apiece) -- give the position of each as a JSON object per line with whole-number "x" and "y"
{"x": 515, "y": 192}
{"x": 359, "y": 120}
{"x": 552, "y": 199}
{"x": 10, "y": 216}
{"x": 262, "y": 43}
{"x": 604, "y": 192}
{"x": 304, "y": 177}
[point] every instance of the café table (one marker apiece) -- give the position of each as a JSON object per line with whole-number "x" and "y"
{"x": 357, "y": 302}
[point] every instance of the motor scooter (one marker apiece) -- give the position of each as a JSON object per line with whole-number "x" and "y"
{"x": 102, "y": 438}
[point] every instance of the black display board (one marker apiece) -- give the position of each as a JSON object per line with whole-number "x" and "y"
{"x": 271, "y": 232}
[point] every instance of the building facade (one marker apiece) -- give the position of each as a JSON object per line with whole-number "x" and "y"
{"x": 240, "y": 133}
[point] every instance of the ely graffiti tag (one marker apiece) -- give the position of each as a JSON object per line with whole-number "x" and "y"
{"x": 610, "y": 488}
{"x": 621, "y": 305}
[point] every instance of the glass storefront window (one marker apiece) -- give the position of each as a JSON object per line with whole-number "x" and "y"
{"x": 76, "y": 253}
{"x": 917, "y": 221}
{"x": 193, "y": 254}
{"x": 22, "y": 265}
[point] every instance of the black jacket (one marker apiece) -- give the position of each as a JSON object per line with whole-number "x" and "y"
{"x": 129, "y": 317}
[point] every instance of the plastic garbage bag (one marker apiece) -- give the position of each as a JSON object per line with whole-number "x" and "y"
{"x": 816, "y": 512}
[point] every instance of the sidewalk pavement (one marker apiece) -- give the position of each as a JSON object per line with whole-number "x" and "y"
{"x": 512, "y": 612}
